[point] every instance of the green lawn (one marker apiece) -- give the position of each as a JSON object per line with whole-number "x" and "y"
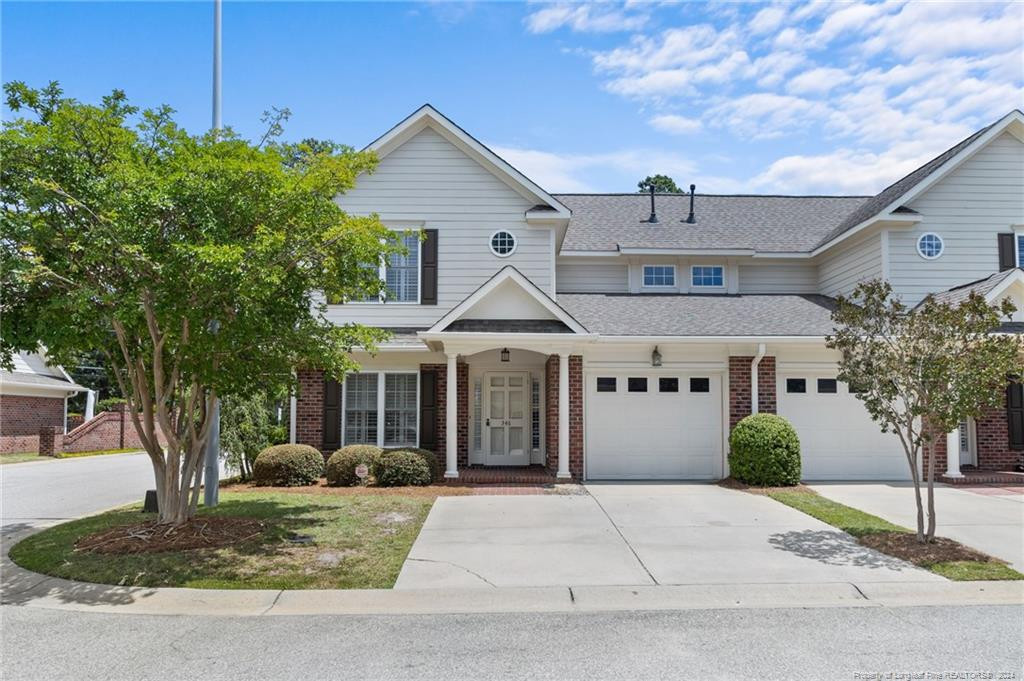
{"x": 861, "y": 525}
{"x": 359, "y": 542}
{"x": 21, "y": 457}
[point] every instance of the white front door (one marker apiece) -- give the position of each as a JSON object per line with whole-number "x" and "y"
{"x": 505, "y": 408}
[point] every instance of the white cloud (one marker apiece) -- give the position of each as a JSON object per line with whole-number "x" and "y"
{"x": 675, "y": 125}
{"x": 569, "y": 172}
{"x": 766, "y": 20}
{"x": 764, "y": 115}
{"x": 583, "y": 18}
{"x": 819, "y": 80}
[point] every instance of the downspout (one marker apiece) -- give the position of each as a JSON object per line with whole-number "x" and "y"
{"x": 753, "y": 377}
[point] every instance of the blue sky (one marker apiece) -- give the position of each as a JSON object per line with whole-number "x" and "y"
{"x": 781, "y": 98}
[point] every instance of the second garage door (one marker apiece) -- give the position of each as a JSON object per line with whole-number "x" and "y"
{"x": 653, "y": 425}
{"x": 838, "y": 440}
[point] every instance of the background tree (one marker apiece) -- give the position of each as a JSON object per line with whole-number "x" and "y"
{"x": 247, "y": 427}
{"x": 89, "y": 370}
{"x": 192, "y": 263}
{"x": 920, "y": 372}
{"x": 663, "y": 184}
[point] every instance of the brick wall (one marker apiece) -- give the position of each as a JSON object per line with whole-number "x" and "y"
{"x": 111, "y": 429}
{"x": 51, "y": 440}
{"x": 21, "y": 418}
{"x": 739, "y": 388}
{"x": 993, "y": 434}
{"x": 551, "y": 368}
{"x": 309, "y": 408}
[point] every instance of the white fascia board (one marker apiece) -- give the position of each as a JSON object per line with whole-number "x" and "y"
{"x": 996, "y": 293}
{"x": 794, "y": 340}
{"x": 506, "y": 273}
{"x": 782, "y": 255}
{"x": 37, "y": 388}
{"x": 589, "y": 254}
{"x": 886, "y": 213}
{"x": 503, "y": 336}
{"x": 427, "y": 115}
{"x": 893, "y": 221}
{"x": 688, "y": 251}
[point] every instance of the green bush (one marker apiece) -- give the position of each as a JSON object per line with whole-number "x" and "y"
{"x": 278, "y": 435}
{"x": 429, "y": 458}
{"x": 288, "y": 466}
{"x": 397, "y": 468}
{"x": 764, "y": 450}
{"x": 106, "y": 403}
{"x": 341, "y": 467}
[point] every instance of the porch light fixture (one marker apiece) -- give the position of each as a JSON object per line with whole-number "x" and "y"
{"x": 655, "y": 357}
{"x": 505, "y": 354}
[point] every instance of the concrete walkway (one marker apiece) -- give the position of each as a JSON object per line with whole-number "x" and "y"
{"x": 637, "y": 534}
{"x": 988, "y": 518}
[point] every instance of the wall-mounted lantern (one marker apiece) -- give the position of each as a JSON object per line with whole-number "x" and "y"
{"x": 505, "y": 354}
{"x": 655, "y": 357}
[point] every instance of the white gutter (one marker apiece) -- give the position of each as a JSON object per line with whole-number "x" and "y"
{"x": 811, "y": 340}
{"x": 753, "y": 377}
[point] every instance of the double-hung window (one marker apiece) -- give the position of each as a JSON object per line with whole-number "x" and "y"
{"x": 707, "y": 276}
{"x": 400, "y": 273}
{"x": 659, "y": 276}
{"x": 382, "y": 408}
{"x": 1020, "y": 249}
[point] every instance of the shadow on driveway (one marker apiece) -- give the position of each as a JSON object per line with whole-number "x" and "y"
{"x": 833, "y": 548}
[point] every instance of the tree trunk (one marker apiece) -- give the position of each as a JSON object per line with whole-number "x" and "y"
{"x": 931, "y": 491}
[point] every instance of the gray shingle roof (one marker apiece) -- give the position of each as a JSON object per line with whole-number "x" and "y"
{"x": 701, "y": 315}
{"x": 510, "y": 326}
{"x": 959, "y": 294}
{"x": 605, "y": 222}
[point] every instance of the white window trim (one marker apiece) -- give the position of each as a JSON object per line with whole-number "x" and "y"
{"x": 515, "y": 243}
{"x": 382, "y": 274}
{"x": 942, "y": 244}
{"x": 701, "y": 287}
{"x": 380, "y": 406}
{"x": 675, "y": 276}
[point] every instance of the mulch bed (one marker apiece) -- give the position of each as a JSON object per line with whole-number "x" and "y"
{"x": 904, "y": 545}
{"x": 435, "y": 490}
{"x": 149, "y": 537}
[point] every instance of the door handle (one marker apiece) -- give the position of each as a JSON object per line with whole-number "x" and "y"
{"x": 488, "y": 422}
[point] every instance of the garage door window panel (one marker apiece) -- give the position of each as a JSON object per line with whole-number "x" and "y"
{"x": 827, "y": 386}
{"x": 796, "y": 386}
{"x": 637, "y": 384}
{"x": 606, "y": 384}
{"x": 668, "y": 385}
{"x": 700, "y": 385}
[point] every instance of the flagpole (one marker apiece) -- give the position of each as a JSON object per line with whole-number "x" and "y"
{"x": 212, "y": 458}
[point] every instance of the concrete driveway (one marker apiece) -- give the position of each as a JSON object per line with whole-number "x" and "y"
{"x": 635, "y": 534}
{"x": 988, "y": 518}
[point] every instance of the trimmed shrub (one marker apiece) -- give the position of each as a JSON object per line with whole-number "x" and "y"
{"x": 288, "y": 466}
{"x": 106, "y": 403}
{"x": 429, "y": 458}
{"x": 341, "y": 467}
{"x": 397, "y": 468}
{"x": 764, "y": 450}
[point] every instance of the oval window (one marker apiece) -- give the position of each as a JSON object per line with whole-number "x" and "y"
{"x": 930, "y": 246}
{"x": 503, "y": 243}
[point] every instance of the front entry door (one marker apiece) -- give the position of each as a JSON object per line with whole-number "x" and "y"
{"x": 505, "y": 416}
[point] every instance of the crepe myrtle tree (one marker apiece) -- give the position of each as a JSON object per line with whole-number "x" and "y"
{"x": 920, "y": 372}
{"x": 198, "y": 265}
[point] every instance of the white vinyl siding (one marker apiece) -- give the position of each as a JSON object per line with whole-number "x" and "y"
{"x": 850, "y": 263}
{"x": 778, "y": 277}
{"x": 593, "y": 278}
{"x": 981, "y": 198}
{"x": 429, "y": 183}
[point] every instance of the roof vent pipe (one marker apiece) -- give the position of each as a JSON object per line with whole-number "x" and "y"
{"x": 654, "y": 217}
{"x": 689, "y": 218}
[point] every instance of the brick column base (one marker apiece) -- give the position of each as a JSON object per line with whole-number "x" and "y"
{"x": 51, "y": 440}
{"x": 551, "y": 368}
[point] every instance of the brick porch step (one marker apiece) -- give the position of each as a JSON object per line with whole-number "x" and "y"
{"x": 505, "y": 475}
{"x": 973, "y": 477}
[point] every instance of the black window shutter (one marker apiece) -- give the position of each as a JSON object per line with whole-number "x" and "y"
{"x": 1015, "y": 414}
{"x": 428, "y": 268}
{"x": 332, "y": 415}
{"x": 1007, "y": 257}
{"x": 428, "y": 410}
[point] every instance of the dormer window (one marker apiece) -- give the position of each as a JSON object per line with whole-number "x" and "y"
{"x": 707, "y": 276}
{"x": 930, "y": 246}
{"x": 659, "y": 276}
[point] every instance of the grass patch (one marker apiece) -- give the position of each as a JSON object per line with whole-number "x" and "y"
{"x": 21, "y": 457}
{"x": 99, "y": 452}
{"x": 358, "y": 542}
{"x": 944, "y": 557}
{"x": 850, "y": 520}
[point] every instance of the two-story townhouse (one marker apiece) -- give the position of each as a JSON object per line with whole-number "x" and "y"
{"x": 621, "y": 336}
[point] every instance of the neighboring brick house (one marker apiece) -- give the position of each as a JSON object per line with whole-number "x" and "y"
{"x": 33, "y": 397}
{"x": 611, "y": 336}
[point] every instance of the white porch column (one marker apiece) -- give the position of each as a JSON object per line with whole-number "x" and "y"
{"x": 953, "y": 454}
{"x": 90, "y": 404}
{"x": 451, "y": 417}
{"x": 563, "y": 415}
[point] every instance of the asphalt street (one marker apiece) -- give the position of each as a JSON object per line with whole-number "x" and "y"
{"x": 813, "y": 644}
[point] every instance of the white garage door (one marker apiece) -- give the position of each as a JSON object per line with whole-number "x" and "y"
{"x": 653, "y": 425}
{"x": 838, "y": 440}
